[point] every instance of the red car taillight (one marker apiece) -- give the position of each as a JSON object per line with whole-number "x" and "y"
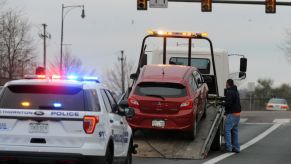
{"x": 186, "y": 105}
{"x": 133, "y": 103}
{"x": 90, "y": 123}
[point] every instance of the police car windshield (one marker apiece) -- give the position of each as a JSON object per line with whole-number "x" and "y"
{"x": 43, "y": 97}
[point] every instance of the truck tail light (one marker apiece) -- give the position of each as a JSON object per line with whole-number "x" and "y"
{"x": 132, "y": 102}
{"x": 284, "y": 107}
{"x": 186, "y": 105}
{"x": 90, "y": 123}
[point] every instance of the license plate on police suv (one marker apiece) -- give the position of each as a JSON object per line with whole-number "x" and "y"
{"x": 38, "y": 128}
{"x": 158, "y": 123}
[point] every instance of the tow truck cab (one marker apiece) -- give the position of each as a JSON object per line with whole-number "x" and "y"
{"x": 201, "y": 59}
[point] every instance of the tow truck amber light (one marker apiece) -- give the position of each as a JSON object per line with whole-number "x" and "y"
{"x": 161, "y": 32}
{"x": 133, "y": 103}
{"x": 90, "y": 123}
{"x": 186, "y": 105}
{"x": 187, "y": 34}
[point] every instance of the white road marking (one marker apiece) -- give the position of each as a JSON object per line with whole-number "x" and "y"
{"x": 243, "y": 120}
{"x": 282, "y": 121}
{"x": 278, "y": 123}
{"x": 257, "y": 123}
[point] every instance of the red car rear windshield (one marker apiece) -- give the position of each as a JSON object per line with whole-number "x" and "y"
{"x": 166, "y": 90}
{"x": 43, "y": 97}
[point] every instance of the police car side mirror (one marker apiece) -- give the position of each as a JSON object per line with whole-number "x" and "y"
{"x": 133, "y": 76}
{"x": 123, "y": 104}
{"x": 129, "y": 112}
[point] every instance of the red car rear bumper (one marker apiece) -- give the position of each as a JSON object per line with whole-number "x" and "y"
{"x": 182, "y": 121}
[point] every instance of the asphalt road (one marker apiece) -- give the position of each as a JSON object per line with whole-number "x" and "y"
{"x": 274, "y": 148}
{"x": 273, "y": 144}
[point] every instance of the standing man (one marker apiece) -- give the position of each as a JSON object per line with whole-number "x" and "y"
{"x": 232, "y": 111}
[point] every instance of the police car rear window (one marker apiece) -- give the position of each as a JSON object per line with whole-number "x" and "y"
{"x": 43, "y": 97}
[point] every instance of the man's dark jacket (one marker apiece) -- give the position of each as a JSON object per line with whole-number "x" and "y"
{"x": 232, "y": 100}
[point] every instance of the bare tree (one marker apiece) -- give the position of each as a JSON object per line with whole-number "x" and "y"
{"x": 16, "y": 45}
{"x": 71, "y": 65}
{"x": 112, "y": 77}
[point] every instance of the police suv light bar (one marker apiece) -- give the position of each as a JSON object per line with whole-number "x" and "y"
{"x": 34, "y": 77}
{"x": 58, "y": 77}
{"x": 185, "y": 34}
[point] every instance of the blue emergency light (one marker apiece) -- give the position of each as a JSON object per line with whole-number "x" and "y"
{"x": 57, "y": 105}
{"x": 72, "y": 77}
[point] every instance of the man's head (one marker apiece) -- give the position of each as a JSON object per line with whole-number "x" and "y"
{"x": 229, "y": 83}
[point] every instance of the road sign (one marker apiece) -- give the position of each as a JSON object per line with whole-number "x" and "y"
{"x": 158, "y": 3}
{"x": 251, "y": 86}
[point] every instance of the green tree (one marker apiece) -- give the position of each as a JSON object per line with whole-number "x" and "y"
{"x": 264, "y": 88}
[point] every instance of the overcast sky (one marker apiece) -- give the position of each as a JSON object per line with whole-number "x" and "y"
{"x": 114, "y": 25}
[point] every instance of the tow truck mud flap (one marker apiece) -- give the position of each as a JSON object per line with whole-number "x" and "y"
{"x": 172, "y": 144}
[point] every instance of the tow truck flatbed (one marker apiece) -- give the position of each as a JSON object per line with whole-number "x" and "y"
{"x": 173, "y": 145}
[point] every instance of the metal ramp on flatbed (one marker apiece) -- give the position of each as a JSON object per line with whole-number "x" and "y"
{"x": 169, "y": 144}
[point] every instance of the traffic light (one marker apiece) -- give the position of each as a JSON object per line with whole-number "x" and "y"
{"x": 270, "y": 6}
{"x": 142, "y": 4}
{"x": 206, "y": 5}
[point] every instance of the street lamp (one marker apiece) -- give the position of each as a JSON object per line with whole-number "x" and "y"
{"x": 62, "y": 29}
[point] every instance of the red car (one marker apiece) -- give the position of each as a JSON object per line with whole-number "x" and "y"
{"x": 168, "y": 97}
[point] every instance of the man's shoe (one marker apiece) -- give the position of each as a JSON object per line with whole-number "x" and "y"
{"x": 235, "y": 151}
{"x": 226, "y": 151}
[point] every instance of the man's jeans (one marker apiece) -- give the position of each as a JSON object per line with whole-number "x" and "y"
{"x": 231, "y": 132}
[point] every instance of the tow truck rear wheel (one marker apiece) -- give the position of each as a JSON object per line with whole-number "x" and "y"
{"x": 217, "y": 141}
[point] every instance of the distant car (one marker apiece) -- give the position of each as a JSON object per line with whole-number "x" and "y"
{"x": 277, "y": 104}
{"x": 168, "y": 97}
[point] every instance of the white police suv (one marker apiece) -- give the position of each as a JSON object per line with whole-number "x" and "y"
{"x": 51, "y": 120}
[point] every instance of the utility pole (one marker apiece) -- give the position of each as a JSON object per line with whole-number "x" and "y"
{"x": 122, "y": 59}
{"x": 44, "y": 36}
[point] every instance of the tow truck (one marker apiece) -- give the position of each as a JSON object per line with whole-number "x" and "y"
{"x": 210, "y": 131}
